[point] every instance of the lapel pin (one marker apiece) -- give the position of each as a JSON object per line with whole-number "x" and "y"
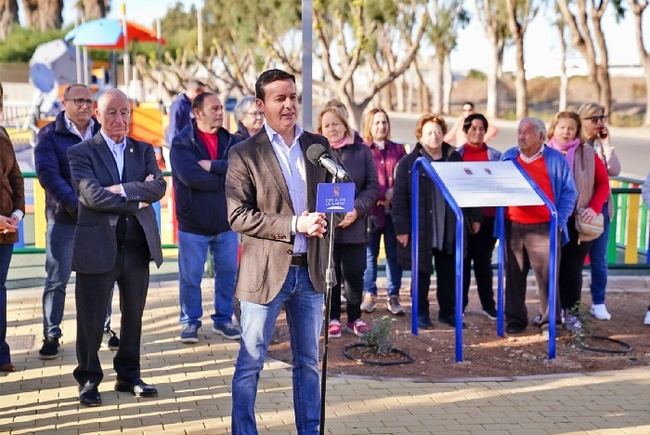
{"x": 131, "y": 150}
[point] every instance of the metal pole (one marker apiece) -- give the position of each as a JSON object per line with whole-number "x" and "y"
{"x": 330, "y": 279}
{"x": 85, "y": 68}
{"x": 160, "y": 77}
{"x": 307, "y": 37}
{"x": 77, "y": 54}
{"x": 126, "y": 49}
{"x": 501, "y": 257}
{"x": 415, "y": 244}
{"x": 460, "y": 237}
{"x": 552, "y": 263}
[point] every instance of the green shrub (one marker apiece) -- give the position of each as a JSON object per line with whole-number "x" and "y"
{"x": 21, "y": 43}
{"x": 378, "y": 338}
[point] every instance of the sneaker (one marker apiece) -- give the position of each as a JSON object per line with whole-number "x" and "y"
{"x": 599, "y": 311}
{"x": 113, "y": 342}
{"x": 50, "y": 348}
{"x": 394, "y": 306}
{"x": 490, "y": 313}
{"x": 358, "y": 327}
{"x": 537, "y": 320}
{"x": 334, "y": 329}
{"x": 190, "y": 333}
{"x": 543, "y": 328}
{"x": 369, "y": 303}
{"x": 228, "y": 330}
{"x": 572, "y": 324}
{"x": 646, "y": 321}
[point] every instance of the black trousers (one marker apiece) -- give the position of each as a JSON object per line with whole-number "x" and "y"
{"x": 445, "y": 267}
{"x": 573, "y": 259}
{"x": 93, "y": 294}
{"x": 479, "y": 251}
{"x": 349, "y": 265}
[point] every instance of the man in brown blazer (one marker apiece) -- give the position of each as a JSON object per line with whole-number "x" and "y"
{"x": 271, "y": 197}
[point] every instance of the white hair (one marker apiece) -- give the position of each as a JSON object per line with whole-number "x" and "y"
{"x": 243, "y": 105}
{"x": 539, "y": 125}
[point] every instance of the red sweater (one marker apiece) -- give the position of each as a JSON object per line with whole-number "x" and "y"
{"x": 211, "y": 142}
{"x": 478, "y": 154}
{"x": 601, "y": 187}
{"x": 533, "y": 214}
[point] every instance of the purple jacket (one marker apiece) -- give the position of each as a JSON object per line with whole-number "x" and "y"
{"x": 386, "y": 162}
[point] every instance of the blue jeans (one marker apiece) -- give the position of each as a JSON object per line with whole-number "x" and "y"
{"x": 192, "y": 253}
{"x": 304, "y": 308}
{"x": 598, "y": 259}
{"x": 58, "y": 265}
{"x": 393, "y": 270}
{"x": 5, "y": 259}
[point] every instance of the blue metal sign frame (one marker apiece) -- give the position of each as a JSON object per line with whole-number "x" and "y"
{"x": 424, "y": 165}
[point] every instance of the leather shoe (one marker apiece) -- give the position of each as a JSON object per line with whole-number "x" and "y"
{"x": 137, "y": 387}
{"x": 7, "y": 367}
{"x": 89, "y": 395}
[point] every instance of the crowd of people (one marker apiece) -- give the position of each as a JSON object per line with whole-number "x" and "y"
{"x": 248, "y": 198}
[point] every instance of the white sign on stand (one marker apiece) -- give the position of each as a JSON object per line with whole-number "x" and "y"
{"x": 486, "y": 184}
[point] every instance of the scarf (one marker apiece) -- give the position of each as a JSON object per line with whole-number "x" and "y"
{"x": 347, "y": 140}
{"x": 569, "y": 149}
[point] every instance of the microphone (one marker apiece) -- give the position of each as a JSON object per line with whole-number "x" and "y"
{"x": 318, "y": 156}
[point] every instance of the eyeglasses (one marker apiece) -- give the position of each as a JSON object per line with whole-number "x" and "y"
{"x": 595, "y": 119}
{"x": 81, "y": 101}
{"x": 256, "y": 114}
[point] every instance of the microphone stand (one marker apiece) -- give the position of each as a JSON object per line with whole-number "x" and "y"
{"x": 330, "y": 280}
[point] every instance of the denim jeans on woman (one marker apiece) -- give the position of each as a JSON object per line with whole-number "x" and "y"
{"x": 5, "y": 259}
{"x": 393, "y": 269}
{"x": 192, "y": 253}
{"x": 598, "y": 260}
{"x": 304, "y": 307}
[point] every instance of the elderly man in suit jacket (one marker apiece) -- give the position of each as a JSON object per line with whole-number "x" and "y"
{"x": 271, "y": 195}
{"x": 116, "y": 179}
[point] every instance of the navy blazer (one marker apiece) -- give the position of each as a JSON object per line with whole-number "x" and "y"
{"x": 200, "y": 195}
{"x": 93, "y": 168}
{"x": 53, "y": 169}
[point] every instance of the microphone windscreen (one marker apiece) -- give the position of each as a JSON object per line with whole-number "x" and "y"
{"x": 314, "y": 152}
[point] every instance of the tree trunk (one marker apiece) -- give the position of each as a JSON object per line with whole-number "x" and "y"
{"x": 400, "y": 92}
{"x": 44, "y": 14}
{"x": 517, "y": 30}
{"x": 520, "y": 80}
{"x": 438, "y": 67}
{"x": 644, "y": 57}
{"x": 448, "y": 85}
{"x": 492, "y": 109}
{"x": 424, "y": 103}
{"x": 93, "y": 9}
{"x": 8, "y": 16}
{"x": 564, "y": 80}
{"x": 605, "y": 94}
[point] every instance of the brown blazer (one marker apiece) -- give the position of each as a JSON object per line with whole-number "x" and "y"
{"x": 12, "y": 192}
{"x": 260, "y": 209}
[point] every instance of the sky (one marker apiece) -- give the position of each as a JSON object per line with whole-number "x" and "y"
{"x": 472, "y": 52}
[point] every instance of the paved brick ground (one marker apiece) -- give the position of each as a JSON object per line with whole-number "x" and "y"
{"x": 194, "y": 387}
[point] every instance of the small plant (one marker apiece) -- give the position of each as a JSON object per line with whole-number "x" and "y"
{"x": 378, "y": 338}
{"x": 581, "y": 312}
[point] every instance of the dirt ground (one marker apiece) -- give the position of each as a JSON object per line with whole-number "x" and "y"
{"x": 485, "y": 353}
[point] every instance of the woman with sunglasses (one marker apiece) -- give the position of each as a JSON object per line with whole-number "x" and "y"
{"x": 596, "y": 134}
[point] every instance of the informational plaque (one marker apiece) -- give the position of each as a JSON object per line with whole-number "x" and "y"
{"x": 486, "y": 184}
{"x": 335, "y": 197}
